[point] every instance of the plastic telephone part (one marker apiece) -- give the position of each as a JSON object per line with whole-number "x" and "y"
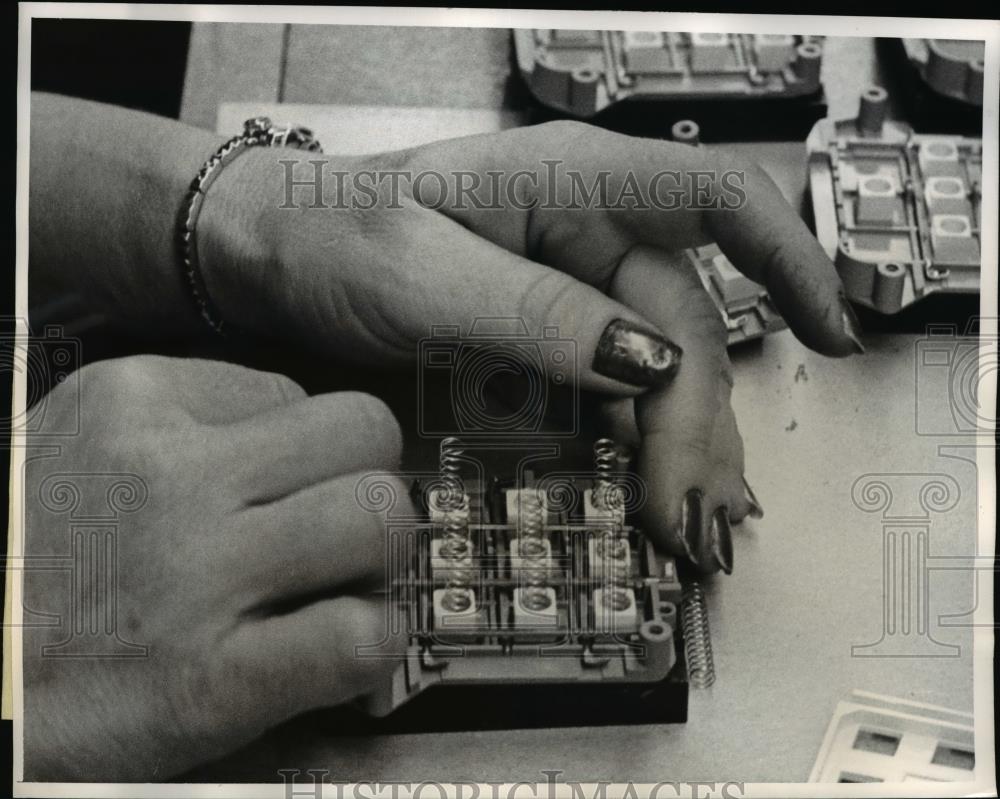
{"x": 710, "y": 52}
{"x": 890, "y": 280}
{"x": 949, "y": 67}
{"x": 745, "y": 307}
{"x": 898, "y": 212}
{"x": 810, "y": 60}
{"x": 774, "y": 51}
{"x": 608, "y": 634}
{"x": 611, "y": 620}
{"x": 879, "y": 200}
{"x": 582, "y": 73}
{"x": 884, "y": 739}
{"x": 685, "y": 131}
{"x": 871, "y": 113}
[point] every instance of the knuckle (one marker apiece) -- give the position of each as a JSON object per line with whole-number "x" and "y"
{"x": 285, "y": 388}
{"x": 551, "y": 297}
{"x": 560, "y": 129}
{"x": 373, "y": 414}
{"x": 705, "y": 318}
{"x": 361, "y": 623}
{"x": 372, "y": 524}
{"x": 569, "y": 134}
{"x": 755, "y": 173}
{"x": 402, "y": 505}
{"x": 696, "y": 448}
{"x": 118, "y": 379}
{"x": 395, "y": 160}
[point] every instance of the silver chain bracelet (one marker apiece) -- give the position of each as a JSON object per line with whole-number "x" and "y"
{"x": 257, "y": 132}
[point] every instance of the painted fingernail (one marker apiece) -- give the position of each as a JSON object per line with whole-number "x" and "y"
{"x": 628, "y": 353}
{"x": 691, "y": 515}
{"x": 852, "y": 327}
{"x": 756, "y": 511}
{"x": 722, "y": 540}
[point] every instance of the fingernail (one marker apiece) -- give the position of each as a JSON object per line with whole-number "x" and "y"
{"x": 691, "y": 515}
{"x": 722, "y": 540}
{"x": 852, "y": 327}
{"x": 628, "y": 353}
{"x": 756, "y": 511}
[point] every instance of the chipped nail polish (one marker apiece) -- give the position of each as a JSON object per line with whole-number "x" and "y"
{"x": 628, "y": 353}
{"x": 852, "y": 327}
{"x": 722, "y": 540}
{"x": 691, "y": 514}
{"x": 756, "y": 511}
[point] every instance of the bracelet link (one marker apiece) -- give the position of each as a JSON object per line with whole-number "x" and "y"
{"x": 257, "y": 132}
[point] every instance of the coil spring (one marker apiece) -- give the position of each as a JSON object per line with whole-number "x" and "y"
{"x": 456, "y": 545}
{"x": 612, "y": 545}
{"x": 605, "y": 459}
{"x": 531, "y": 548}
{"x": 697, "y": 637}
{"x": 616, "y": 570}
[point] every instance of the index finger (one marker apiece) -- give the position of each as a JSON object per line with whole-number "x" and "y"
{"x": 584, "y": 196}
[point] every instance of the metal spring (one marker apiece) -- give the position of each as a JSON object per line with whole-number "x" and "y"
{"x": 616, "y": 570}
{"x": 456, "y": 545}
{"x": 697, "y": 637}
{"x": 531, "y": 548}
{"x": 612, "y": 545}
{"x": 605, "y": 459}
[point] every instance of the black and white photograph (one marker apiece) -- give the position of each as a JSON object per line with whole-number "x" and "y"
{"x": 500, "y": 404}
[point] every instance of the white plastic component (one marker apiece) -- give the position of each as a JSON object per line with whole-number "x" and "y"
{"x": 591, "y": 513}
{"x": 598, "y": 569}
{"x": 774, "y": 51}
{"x": 439, "y": 563}
{"x": 950, "y": 225}
{"x": 437, "y": 512}
{"x": 710, "y": 52}
{"x": 946, "y": 195}
{"x": 645, "y": 52}
{"x": 446, "y": 620}
{"x": 641, "y": 39}
{"x": 736, "y": 289}
{"x": 875, "y": 738}
{"x": 517, "y": 563}
{"x": 952, "y": 240}
{"x": 877, "y": 200}
{"x": 525, "y": 616}
{"x": 609, "y": 620}
{"x": 937, "y": 157}
{"x": 517, "y": 498}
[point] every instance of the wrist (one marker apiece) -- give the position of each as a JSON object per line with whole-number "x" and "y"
{"x": 235, "y": 246}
